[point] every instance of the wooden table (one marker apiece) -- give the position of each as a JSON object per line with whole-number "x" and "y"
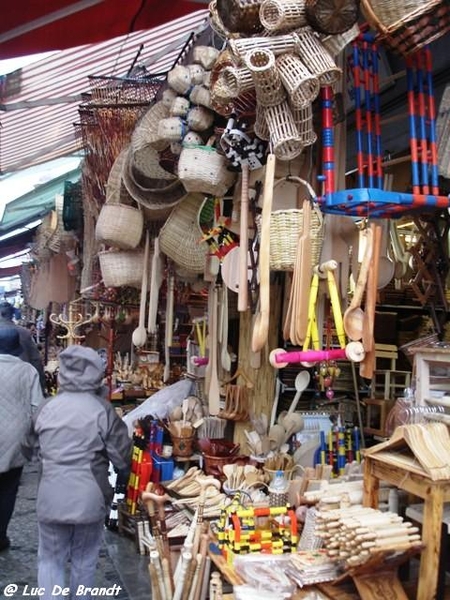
{"x": 433, "y": 493}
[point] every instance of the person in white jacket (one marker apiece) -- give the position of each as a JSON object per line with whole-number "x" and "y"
{"x": 77, "y": 433}
{"x": 20, "y": 392}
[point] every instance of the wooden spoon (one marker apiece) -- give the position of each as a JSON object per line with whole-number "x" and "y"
{"x": 367, "y": 365}
{"x": 301, "y": 383}
{"x": 261, "y": 324}
{"x": 243, "y": 242}
{"x": 139, "y": 335}
{"x": 354, "y": 315}
{"x": 214, "y": 387}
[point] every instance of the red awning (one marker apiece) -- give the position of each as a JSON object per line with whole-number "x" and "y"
{"x": 33, "y": 26}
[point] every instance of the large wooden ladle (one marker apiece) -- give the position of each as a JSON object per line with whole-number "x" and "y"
{"x": 261, "y": 325}
{"x": 139, "y": 335}
{"x": 354, "y": 315}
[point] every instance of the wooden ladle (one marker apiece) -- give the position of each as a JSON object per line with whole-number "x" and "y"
{"x": 354, "y": 315}
{"x": 139, "y": 335}
{"x": 261, "y": 325}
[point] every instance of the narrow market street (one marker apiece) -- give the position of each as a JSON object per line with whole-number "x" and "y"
{"x": 121, "y": 573}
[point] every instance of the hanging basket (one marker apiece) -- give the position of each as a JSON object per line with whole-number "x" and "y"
{"x": 332, "y": 16}
{"x": 180, "y": 236}
{"x": 286, "y": 226}
{"x": 120, "y": 268}
{"x": 203, "y": 169}
{"x": 240, "y": 16}
{"x": 119, "y": 225}
{"x": 282, "y": 15}
{"x": 407, "y": 26}
{"x": 316, "y": 57}
{"x": 268, "y": 85}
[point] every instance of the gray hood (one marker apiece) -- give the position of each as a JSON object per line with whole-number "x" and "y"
{"x": 80, "y": 370}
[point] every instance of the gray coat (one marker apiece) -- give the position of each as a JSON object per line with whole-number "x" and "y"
{"x": 78, "y": 433}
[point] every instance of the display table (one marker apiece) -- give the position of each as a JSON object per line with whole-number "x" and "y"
{"x": 433, "y": 493}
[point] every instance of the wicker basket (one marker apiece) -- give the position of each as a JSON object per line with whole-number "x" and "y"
{"x": 240, "y": 16}
{"x": 146, "y": 131}
{"x": 199, "y": 118}
{"x": 179, "y": 79}
{"x": 180, "y": 236}
{"x": 120, "y": 268}
{"x": 237, "y": 80}
{"x": 205, "y": 56}
{"x": 269, "y": 89}
{"x": 286, "y": 226}
{"x": 203, "y": 169}
{"x": 302, "y": 87}
{"x": 408, "y": 26}
{"x": 172, "y": 129}
{"x": 200, "y": 95}
{"x": 303, "y": 119}
{"x": 168, "y": 96}
{"x": 119, "y": 225}
{"x": 278, "y": 44}
{"x": 316, "y": 57}
{"x": 197, "y": 72}
{"x": 282, "y": 15}
{"x": 179, "y": 107}
{"x": 331, "y": 17}
{"x": 284, "y": 137}
{"x": 261, "y": 128}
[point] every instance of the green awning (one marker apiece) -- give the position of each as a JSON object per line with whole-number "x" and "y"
{"x": 36, "y": 204}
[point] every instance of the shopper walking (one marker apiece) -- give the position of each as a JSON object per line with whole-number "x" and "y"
{"x": 20, "y": 391}
{"x": 77, "y": 433}
{"x": 30, "y": 351}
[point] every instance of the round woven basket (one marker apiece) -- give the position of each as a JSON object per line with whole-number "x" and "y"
{"x": 302, "y": 87}
{"x": 180, "y": 236}
{"x": 333, "y": 16}
{"x": 121, "y": 268}
{"x": 268, "y": 85}
{"x": 179, "y": 79}
{"x": 282, "y": 15}
{"x": 303, "y": 119}
{"x": 119, "y": 225}
{"x": 237, "y": 80}
{"x": 172, "y": 129}
{"x": 197, "y": 72}
{"x": 179, "y": 107}
{"x": 146, "y": 131}
{"x": 316, "y": 57}
{"x": 200, "y": 95}
{"x": 168, "y": 96}
{"x": 203, "y": 169}
{"x": 278, "y": 44}
{"x": 407, "y": 26}
{"x": 199, "y": 118}
{"x": 284, "y": 136}
{"x": 205, "y": 55}
{"x": 159, "y": 196}
{"x": 240, "y": 16}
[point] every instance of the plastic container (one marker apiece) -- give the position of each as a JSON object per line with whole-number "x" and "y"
{"x": 278, "y": 490}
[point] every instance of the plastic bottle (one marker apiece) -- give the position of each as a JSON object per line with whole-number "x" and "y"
{"x": 278, "y": 490}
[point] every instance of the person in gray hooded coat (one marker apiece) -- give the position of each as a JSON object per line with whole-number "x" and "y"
{"x": 77, "y": 433}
